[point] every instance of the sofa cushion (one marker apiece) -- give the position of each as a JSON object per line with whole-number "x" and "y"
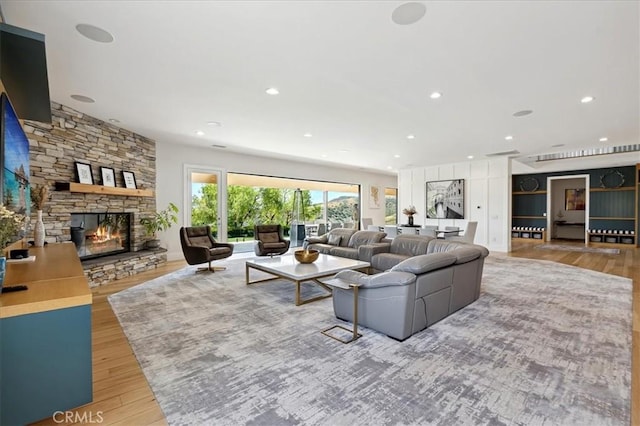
{"x": 410, "y": 245}
{"x": 384, "y": 261}
{"x": 347, "y": 252}
{"x": 322, "y": 248}
{"x": 425, "y": 263}
{"x": 385, "y": 279}
{"x": 334, "y": 239}
{"x": 360, "y": 238}
{"x": 466, "y": 254}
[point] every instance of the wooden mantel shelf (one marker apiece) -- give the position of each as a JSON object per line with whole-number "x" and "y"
{"x": 99, "y": 189}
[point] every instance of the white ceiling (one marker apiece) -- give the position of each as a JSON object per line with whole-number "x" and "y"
{"x": 352, "y": 77}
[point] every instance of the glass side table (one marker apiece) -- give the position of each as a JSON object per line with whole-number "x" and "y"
{"x": 355, "y": 335}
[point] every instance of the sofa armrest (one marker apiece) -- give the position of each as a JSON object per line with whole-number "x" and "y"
{"x": 385, "y": 279}
{"x": 228, "y": 245}
{"x": 425, "y": 263}
{"x": 367, "y": 251}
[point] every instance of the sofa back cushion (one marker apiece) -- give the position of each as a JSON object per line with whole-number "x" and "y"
{"x": 344, "y": 233}
{"x": 360, "y": 238}
{"x": 410, "y": 245}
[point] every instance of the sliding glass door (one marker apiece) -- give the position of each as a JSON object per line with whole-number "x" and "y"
{"x": 205, "y": 199}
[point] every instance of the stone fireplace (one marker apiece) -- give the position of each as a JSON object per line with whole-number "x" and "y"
{"x": 100, "y": 234}
{"x": 73, "y": 136}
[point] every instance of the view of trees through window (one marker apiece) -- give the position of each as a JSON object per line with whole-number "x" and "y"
{"x": 390, "y": 206}
{"x": 251, "y": 205}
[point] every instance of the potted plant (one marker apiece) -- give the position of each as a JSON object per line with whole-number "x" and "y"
{"x": 410, "y": 211}
{"x": 159, "y": 221}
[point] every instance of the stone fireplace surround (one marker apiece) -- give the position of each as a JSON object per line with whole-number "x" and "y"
{"x": 73, "y": 136}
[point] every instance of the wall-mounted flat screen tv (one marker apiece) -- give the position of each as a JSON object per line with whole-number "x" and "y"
{"x": 445, "y": 199}
{"x": 14, "y": 158}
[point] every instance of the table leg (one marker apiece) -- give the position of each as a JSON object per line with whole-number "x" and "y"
{"x": 355, "y": 312}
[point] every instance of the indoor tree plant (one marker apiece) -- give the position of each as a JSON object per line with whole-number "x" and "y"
{"x": 159, "y": 221}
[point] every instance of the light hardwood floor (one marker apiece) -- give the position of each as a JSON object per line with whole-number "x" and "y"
{"x": 122, "y": 395}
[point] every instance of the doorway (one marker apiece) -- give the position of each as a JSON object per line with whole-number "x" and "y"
{"x": 205, "y": 199}
{"x": 568, "y": 208}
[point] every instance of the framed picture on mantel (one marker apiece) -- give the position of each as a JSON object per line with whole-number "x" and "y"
{"x": 84, "y": 172}
{"x": 129, "y": 180}
{"x": 108, "y": 176}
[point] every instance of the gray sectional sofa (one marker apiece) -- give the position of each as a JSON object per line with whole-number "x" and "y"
{"x": 346, "y": 243}
{"x": 416, "y": 292}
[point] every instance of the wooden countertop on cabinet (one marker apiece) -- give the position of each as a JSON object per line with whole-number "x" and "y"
{"x": 55, "y": 280}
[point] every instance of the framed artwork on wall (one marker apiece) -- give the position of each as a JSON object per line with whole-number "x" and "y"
{"x": 574, "y": 199}
{"x": 375, "y": 197}
{"x": 108, "y": 176}
{"x": 84, "y": 173}
{"x": 445, "y": 199}
{"x": 129, "y": 180}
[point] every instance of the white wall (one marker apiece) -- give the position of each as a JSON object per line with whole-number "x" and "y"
{"x": 170, "y": 185}
{"x": 487, "y": 198}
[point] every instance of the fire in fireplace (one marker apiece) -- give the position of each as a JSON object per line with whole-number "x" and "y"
{"x": 100, "y": 234}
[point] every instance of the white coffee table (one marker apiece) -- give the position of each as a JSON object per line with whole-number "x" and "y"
{"x": 289, "y": 268}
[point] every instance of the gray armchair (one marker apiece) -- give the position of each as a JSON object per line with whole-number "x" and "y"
{"x": 199, "y": 246}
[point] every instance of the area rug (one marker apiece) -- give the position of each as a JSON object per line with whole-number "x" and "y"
{"x": 545, "y": 344}
{"x": 584, "y": 249}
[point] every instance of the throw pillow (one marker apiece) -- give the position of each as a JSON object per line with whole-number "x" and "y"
{"x": 334, "y": 240}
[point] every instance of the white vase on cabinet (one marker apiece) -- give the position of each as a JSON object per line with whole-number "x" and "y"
{"x": 38, "y": 231}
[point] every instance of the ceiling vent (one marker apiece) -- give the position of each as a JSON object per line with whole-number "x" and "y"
{"x": 502, "y": 154}
{"x": 589, "y": 152}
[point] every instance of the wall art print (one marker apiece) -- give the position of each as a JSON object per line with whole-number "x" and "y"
{"x": 375, "y": 197}
{"x": 445, "y": 199}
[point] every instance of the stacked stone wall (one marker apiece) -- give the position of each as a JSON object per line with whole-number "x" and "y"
{"x": 74, "y": 137}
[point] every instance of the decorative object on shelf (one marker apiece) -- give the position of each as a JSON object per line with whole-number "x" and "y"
{"x": 108, "y": 176}
{"x": 445, "y": 199}
{"x": 560, "y": 215}
{"x": 306, "y": 256}
{"x": 159, "y": 221}
{"x": 84, "y": 173}
{"x": 10, "y": 224}
{"x": 39, "y": 195}
{"x": 612, "y": 179}
{"x": 529, "y": 184}
{"x": 129, "y": 180}
{"x": 409, "y": 211}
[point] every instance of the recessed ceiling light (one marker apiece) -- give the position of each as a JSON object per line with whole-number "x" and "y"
{"x": 307, "y": 135}
{"x": 114, "y": 120}
{"x": 272, "y": 91}
{"x": 522, "y": 113}
{"x": 199, "y": 133}
{"x": 389, "y": 167}
{"x": 94, "y": 33}
{"x": 587, "y": 99}
{"x": 509, "y": 138}
{"x": 469, "y": 157}
{"x": 324, "y": 156}
{"x": 343, "y": 151}
{"x": 604, "y": 139}
{"x": 82, "y": 98}
{"x": 397, "y": 156}
{"x": 411, "y": 136}
{"x": 214, "y": 123}
{"x": 435, "y": 95}
{"x": 408, "y": 13}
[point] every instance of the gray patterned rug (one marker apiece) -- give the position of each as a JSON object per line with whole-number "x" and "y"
{"x": 584, "y": 249}
{"x": 545, "y": 344}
